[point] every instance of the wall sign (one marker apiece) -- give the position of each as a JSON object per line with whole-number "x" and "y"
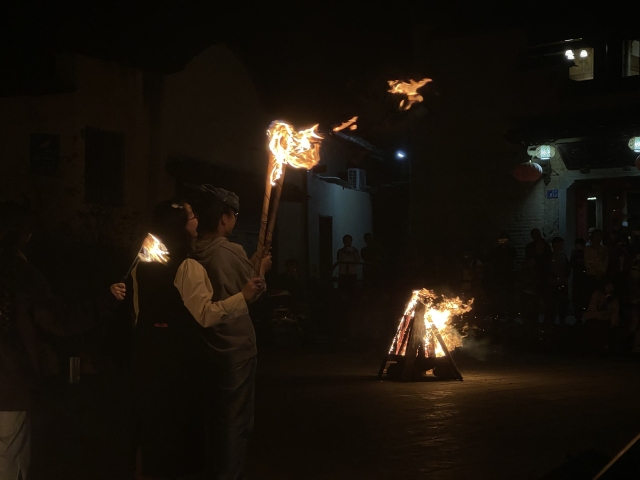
{"x": 551, "y": 194}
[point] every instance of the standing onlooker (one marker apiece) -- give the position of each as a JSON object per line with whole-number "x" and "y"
{"x": 617, "y": 252}
{"x": 468, "y": 273}
{"x": 596, "y": 260}
{"x": 529, "y": 291}
{"x": 232, "y": 344}
{"x": 631, "y": 307}
{"x": 601, "y": 315}
{"x": 557, "y": 280}
{"x": 27, "y": 306}
{"x": 348, "y": 261}
{"x": 501, "y": 275}
{"x": 580, "y": 282}
{"x": 537, "y": 248}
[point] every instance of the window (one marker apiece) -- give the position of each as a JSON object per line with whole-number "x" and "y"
{"x": 44, "y": 154}
{"x": 582, "y": 68}
{"x": 630, "y": 58}
{"x": 103, "y": 167}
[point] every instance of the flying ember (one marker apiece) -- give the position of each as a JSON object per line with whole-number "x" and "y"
{"x": 409, "y": 89}
{"x": 350, "y": 124}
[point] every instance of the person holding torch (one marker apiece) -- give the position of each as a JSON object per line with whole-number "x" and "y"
{"x": 169, "y": 354}
{"x": 233, "y": 344}
{"x": 27, "y": 305}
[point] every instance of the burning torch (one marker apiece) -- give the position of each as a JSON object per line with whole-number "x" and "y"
{"x": 151, "y": 250}
{"x": 286, "y": 147}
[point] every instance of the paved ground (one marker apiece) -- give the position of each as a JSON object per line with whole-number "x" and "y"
{"x": 513, "y": 417}
{"x": 326, "y": 416}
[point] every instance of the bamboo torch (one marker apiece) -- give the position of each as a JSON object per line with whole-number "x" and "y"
{"x": 265, "y": 215}
{"x": 287, "y": 147}
{"x": 151, "y": 250}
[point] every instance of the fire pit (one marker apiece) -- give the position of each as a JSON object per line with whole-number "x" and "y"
{"x": 425, "y": 338}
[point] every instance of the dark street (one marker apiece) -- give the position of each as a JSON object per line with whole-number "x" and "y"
{"x": 241, "y": 241}
{"x": 326, "y": 416}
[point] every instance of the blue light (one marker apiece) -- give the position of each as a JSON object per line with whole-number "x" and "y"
{"x": 400, "y": 154}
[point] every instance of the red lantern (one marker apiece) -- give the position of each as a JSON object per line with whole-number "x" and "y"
{"x": 527, "y": 172}
{"x": 638, "y": 162}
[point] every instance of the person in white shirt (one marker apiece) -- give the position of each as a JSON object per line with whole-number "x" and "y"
{"x": 174, "y": 308}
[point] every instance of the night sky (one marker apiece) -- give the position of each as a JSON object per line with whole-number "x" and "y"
{"x": 324, "y": 48}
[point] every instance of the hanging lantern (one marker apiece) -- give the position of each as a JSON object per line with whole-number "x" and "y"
{"x": 634, "y": 144}
{"x": 527, "y": 172}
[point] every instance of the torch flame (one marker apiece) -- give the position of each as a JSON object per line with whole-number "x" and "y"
{"x": 409, "y": 89}
{"x": 298, "y": 149}
{"x": 153, "y": 250}
{"x": 350, "y": 124}
{"x": 437, "y": 319}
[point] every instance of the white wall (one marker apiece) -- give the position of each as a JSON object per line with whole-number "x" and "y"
{"x": 290, "y": 234}
{"x": 350, "y": 209}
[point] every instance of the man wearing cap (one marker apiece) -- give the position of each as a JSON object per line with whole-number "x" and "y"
{"x": 233, "y": 343}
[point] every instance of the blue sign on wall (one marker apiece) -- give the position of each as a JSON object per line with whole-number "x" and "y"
{"x": 552, "y": 194}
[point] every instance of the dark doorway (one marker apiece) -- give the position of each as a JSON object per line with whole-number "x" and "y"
{"x": 326, "y": 247}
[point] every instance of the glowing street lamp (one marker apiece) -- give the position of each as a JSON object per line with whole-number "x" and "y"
{"x": 545, "y": 152}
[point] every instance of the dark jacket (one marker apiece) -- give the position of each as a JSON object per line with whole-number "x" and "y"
{"x": 232, "y": 342}
{"x": 168, "y": 376}
{"x": 34, "y": 305}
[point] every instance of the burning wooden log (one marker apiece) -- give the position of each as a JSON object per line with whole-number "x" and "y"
{"x": 419, "y": 344}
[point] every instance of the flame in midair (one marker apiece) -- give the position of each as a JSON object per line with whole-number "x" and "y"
{"x": 350, "y": 124}
{"x": 298, "y": 149}
{"x": 153, "y": 250}
{"x": 409, "y": 89}
{"x": 437, "y": 318}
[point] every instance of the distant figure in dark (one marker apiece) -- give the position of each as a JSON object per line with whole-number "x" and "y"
{"x": 530, "y": 291}
{"x": 631, "y": 307}
{"x": 617, "y": 253}
{"x": 469, "y": 273}
{"x": 539, "y": 251}
{"x": 289, "y": 280}
{"x": 580, "y": 282}
{"x": 537, "y": 248}
{"x": 601, "y": 315}
{"x": 502, "y": 269}
{"x": 596, "y": 260}
{"x": 557, "y": 278}
{"x": 27, "y": 306}
{"x": 348, "y": 264}
{"x": 372, "y": 255}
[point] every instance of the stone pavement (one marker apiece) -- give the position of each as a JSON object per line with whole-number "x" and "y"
{"x": 326, "y": 416}
{"x": 513, "y": 417}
